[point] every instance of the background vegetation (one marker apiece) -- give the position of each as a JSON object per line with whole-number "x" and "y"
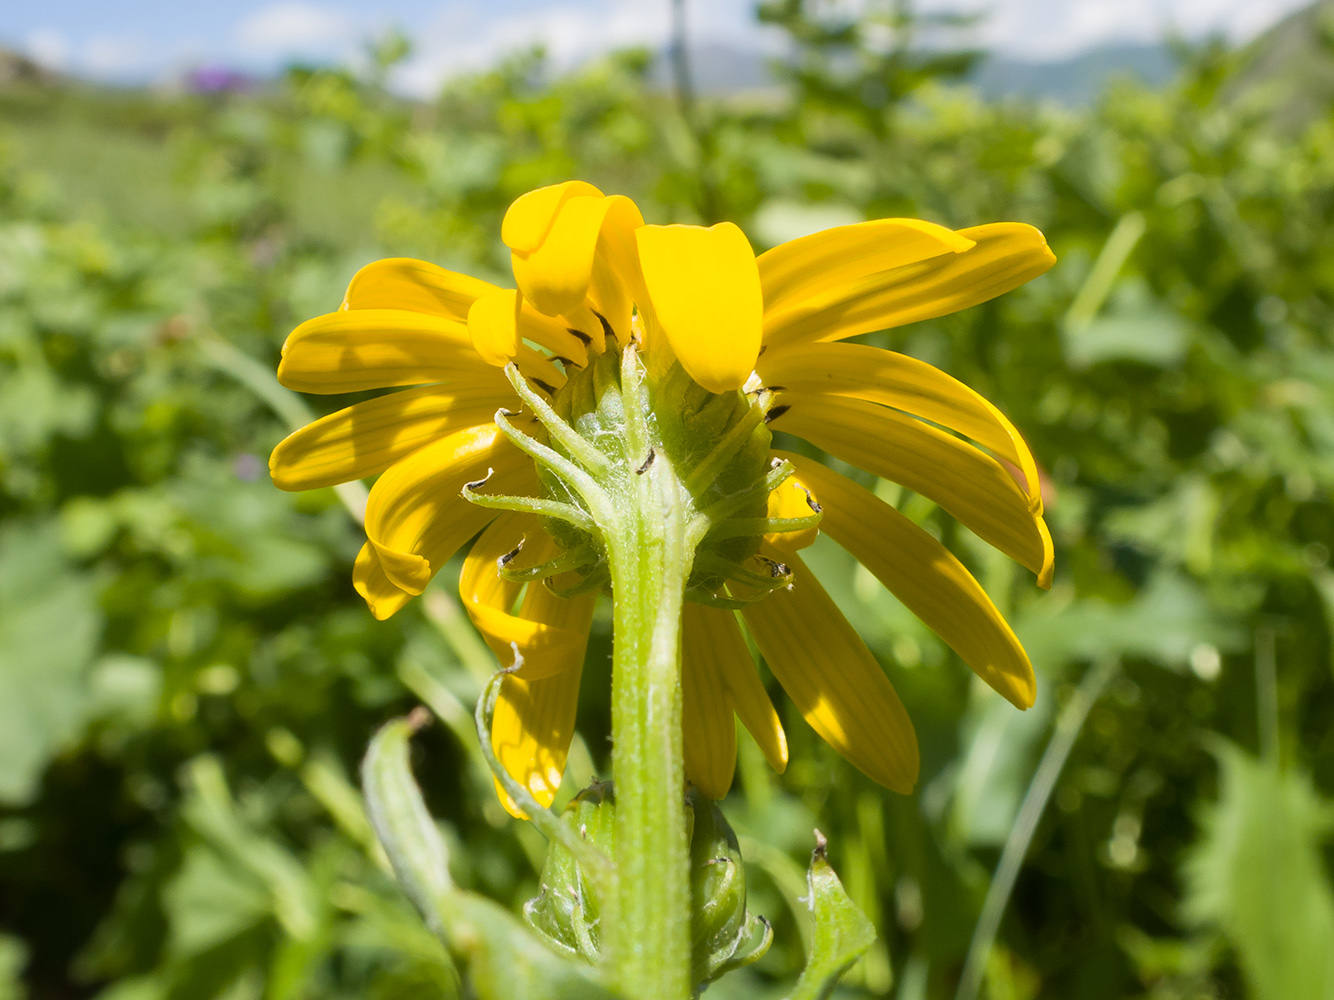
{"x": 187, "y": 679}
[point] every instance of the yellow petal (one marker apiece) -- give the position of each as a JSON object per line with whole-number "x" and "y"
{"x": 905, "y": 384}
{"x": 549, "y": 631}
{"x": 970, "y": 485}
{"x": 716, "y": 639}
{"x": 792, "y": 499}
{"x": 500, "y": 321}
{"x": 583, "y": 322}
{"x": 531, "y": 732}
{"x": 369, "y": 580}
{"x": 414, "y": 285}
{"x": 551, "y": 333}
{"x": 835, "y": 257}
{"x": 359, "y": 349}
{"x": 366, "y": 438}
{"x": 617, "y": 280}
{"x": 1007, "y": 254}
{"x": 562, "y": 637}
{"x": 493, "y": 324}
{"x": 707, "y": 729}
{"x": 416, "y": 518}
{"x": 556, "y": 275}
{"x": 704, "y": 286}
{"x": 481, "y": 587}
{"x": 529, "y": 218}
{"x": 351, "y": 350}
{"x": 925, "y": 576}
{"x": 833, "y": 679}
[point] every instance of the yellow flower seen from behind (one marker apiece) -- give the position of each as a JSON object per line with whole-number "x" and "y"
{"x": 764, "y": 331}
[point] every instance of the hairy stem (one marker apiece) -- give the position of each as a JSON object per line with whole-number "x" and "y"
{"x": 650, "y": 558}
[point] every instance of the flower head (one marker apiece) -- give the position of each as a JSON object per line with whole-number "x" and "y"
{"x": 736, "y": 342}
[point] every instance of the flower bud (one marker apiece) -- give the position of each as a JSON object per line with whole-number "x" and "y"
{"x": 724, "y": 936}
{"x": 567, "y": 911}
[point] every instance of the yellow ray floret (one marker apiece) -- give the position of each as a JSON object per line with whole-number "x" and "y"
{"x": 532, "y": 641}
{"x": 925, "y": 576}
{"x": 352, "y": 350}
{"x": 906, "y": 384}
{"x": 493, "y": 325}
{"x": 533, "y": 722}
{"x": 481, "y": 587}
{"x": 530, "y": 218}
{"x": 348, "y": 351}
{"x": 531, "y": 733}
{"x": 414, "y": 285}
{"x": 704, "y": 287}
{"x": 708, "y": 730}
{"x": 833, "y": 679}
{"x": 835, "y": 258}
{"x": 366, "y": 438}
{"x": 1005, "y": 255}
{"x": 416, "y": 518}
{"x": 967, "y": 483}
{"x": 712, "y": 642}
{"x": 556, "y": 236}
{"x": 792, "y": 500}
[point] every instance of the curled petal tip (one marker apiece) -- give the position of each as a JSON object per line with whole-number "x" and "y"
{"x": 529, "y": 218}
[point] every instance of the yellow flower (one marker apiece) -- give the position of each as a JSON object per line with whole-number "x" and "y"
{"x": 591, "y": 277}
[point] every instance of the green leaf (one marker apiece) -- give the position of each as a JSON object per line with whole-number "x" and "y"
{"x": 1164, "y": 623}
{"x": 49, "y": 629}
{"x": 1150, "y": 336}
{"x": 841, "y": 933}
{"x": 502, "y": 959}
{"x": 1134, "y": 328}
{"x": 1257, "y": 875}
{"x": 210, "y": 901}
{"x": 13, "y": 957}
{"x": 211, "y": 811}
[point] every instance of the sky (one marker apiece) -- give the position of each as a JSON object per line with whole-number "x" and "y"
{"x": 140, "y": 40}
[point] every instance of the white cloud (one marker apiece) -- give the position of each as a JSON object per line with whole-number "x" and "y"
{"x": 1057, "y": 29}
{"x": 460, "y": 40}
{"x": 48, "y": 48}
{"x": 114, "y": 57}
{"x": 295, "y": 27}
{"x": 466, "y": 38}
{"x": 471, "y": 34}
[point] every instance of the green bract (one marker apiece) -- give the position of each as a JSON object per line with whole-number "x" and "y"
{"x": 717, "y": 443}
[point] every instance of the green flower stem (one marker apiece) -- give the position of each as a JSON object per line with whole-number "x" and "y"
{"x": 650, "y": 556}
{"x": 637, "y": 505}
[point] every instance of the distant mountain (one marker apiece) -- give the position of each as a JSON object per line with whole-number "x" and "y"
{"x": 15, "y": 68}
{"x": 721, "y": 69}
{"x": 1292, "y": 64}
{"x": 1293, "y": 61}
{"x": 1078, "y": 80}
{"x": 718, "y": 69}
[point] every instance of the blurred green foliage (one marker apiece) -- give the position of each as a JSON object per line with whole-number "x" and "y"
{"x": 187, "y": 679}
